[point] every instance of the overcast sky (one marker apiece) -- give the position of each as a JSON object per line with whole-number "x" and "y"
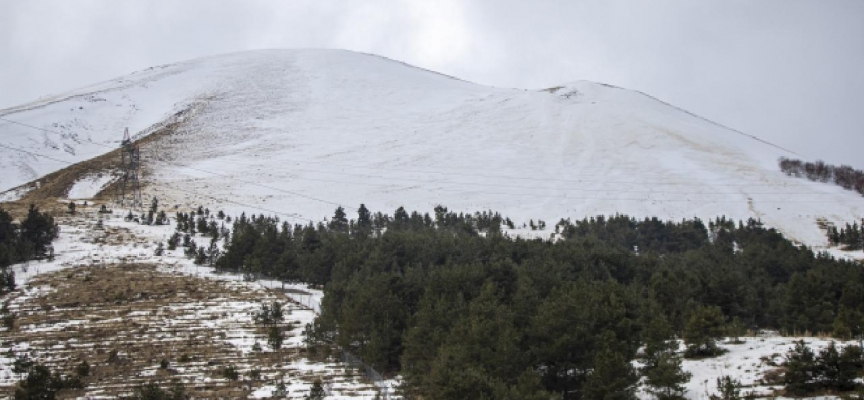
{"x": 788, "y": 71}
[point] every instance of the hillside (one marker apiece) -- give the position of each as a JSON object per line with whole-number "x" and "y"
{"x": 303, "y": 131}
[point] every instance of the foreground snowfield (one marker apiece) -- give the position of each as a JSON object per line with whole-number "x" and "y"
{"x": 299, "y": 132}
{"x": 746, "y": 362}
{"x": 82, "y": 244}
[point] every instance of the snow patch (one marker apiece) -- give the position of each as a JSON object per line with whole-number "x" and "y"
{"x": 89, "y": 186}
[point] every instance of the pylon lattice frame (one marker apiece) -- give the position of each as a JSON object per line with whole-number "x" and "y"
{"x": 129, "y": 188}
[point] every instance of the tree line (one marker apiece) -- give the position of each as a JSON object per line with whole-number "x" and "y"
{"x": 27, "y": 240}
{"x": 845, "y": 176}
{"x": 850, "y": 237}
{"x": 462, "y": 310}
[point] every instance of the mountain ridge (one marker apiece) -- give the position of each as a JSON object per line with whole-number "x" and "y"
{"x": 356, "y": 128}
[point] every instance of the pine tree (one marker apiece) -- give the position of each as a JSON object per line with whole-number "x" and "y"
{"x": 703, "y": 328}
{"x": 339, "y": 223}
{"x": 40, "y": 383}
{"x": 82, "y": 369}
{"x": 364, "y": 219}
{"x": 730, "y": 389}
{"x": 173, "y": 241}
{"x": 39, "y": 230}
{"x": 802, "y": 374}
{"x": 401, "y": 218}
{"x": 161, "y": 218}
{"x": 276, "y": 313}
{"x": 200, "y": 256}
{"x": 317, "y": 391}
{"x": 828, "y": 366}
{"x": 613, "y": 377}
{"x": 212, "y": 252}
{"x": 202, "y": 226}
{"x": 527, "y": 387}
{"x": 281, "y": 391}
{"x": 274, "y": 338}
{"x": 849, "y": 367}
{"x": 666, "y": 378}
{"x": 663, "y": 372}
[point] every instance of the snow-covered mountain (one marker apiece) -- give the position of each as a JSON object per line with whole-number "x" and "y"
{"x": 302, "y": 131}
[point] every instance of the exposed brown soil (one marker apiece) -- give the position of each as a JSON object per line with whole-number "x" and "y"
{"x": 124, "y": 319}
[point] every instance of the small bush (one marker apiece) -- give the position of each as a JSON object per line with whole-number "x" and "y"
{"x": 113, "y": 356}
{"x": 9, "y": 321}
{"x": 730, "y": 389}
{"x": 83, "y": 369}
{"x": 230, "y": 372}
{"x": 152, "y": 391}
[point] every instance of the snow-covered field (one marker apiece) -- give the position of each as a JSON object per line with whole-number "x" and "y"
{"x": 89, "y": 186}
{"x": 299, "y": 132}
{"x": 747, "y": 363}
{"x": 221, "y": 319}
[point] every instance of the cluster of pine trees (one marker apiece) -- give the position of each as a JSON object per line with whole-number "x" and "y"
{"x": 847, "y": 177}
{"x": 153, "y": 216}
{"x": 461, "y": 310}
{"x": 201, "y": 221}
{"x": 205, "y": 224}
{"x": 851, "y": 237}
{"x": 41, "y": 383}
{"x": 833, "y": 369}
{"x": 25, "y": 241}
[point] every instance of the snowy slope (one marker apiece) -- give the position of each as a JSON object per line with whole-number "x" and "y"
{"x": 302, "y": 131}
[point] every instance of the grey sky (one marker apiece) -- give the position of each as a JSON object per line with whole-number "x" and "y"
{"x": 791, "y": 72}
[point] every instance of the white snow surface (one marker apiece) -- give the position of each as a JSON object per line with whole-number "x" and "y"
{"x": 301, "y": 131}
{"x": 747, "y": 363}
{"x": 88, "y": 186}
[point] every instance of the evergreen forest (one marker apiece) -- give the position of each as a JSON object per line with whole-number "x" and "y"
{"x": 460, "y": 309}
{"x": 23, "y": 241}
{"x": 850, "y": 237}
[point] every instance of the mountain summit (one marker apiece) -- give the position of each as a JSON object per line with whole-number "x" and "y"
{"x": 302, "y": 131}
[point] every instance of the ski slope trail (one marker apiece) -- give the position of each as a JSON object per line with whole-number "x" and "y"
{"x": 303, "y": 131}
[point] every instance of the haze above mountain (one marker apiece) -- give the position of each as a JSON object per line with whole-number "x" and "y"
{"x": 301, "y": 131}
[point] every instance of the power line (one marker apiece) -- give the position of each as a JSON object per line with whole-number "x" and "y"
{"x": 514, "y": 177}
{"x": 37, "y": 155}
{"x": 580, "y": 181}
{"x": 563, "y": 196}
{"x": 509, "y": 177}
{"x": 177, "y": 165}
{"x": 495, "y": 185}
{"x": 259, "y": 184}
{"x": 296, "y": 216}
{"x": 54, "y": 132}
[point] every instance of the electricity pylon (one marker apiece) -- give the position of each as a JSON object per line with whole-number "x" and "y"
{"x": 128, "y": 188}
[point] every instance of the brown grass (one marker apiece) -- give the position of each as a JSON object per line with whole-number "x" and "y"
{"x": 56, "y": 185}
{"x": 133, "y": 316}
